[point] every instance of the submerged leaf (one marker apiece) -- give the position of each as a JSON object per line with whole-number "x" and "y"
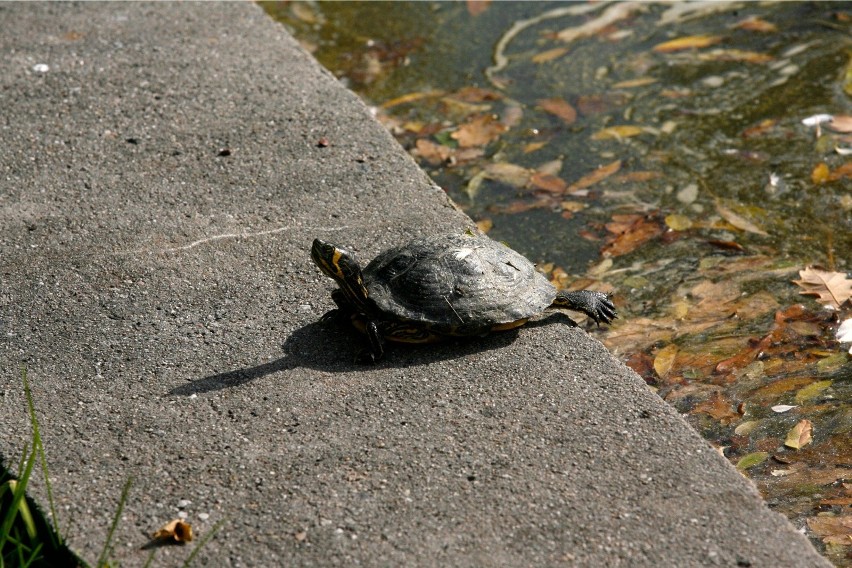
{"x": 832, "y": 530}
{"x": 559, "y": 107}
{"x": 596, "y": 176}
{"x": 811, "y": 391}
{"x": 739, "y": 221}
{"x": 623, "y": 131}
{"x": 689, "y": 42}
{"x": 664, "y": 360}
{"x": 751, "y": 460}
{"x": 479, "y": 131}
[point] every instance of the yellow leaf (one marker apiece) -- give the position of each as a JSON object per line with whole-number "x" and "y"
{"x": 751, "y": 460}
{"x": 799, "y": 435}
{"x": 820, "y": 173}
{"x": 485, "y": 225}
{"x": 623, "y": 131}
{"x": 678, "y": 222}
{"x": 739, "y": 221}
{"x": 640, "y": 82}
{"x": 664, "y": 360}
{"x": 811, "y": 391}
{"x": 689, "y": 42}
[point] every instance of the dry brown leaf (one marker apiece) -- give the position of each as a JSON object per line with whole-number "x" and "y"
{"x": 800, "y": 435}
{"x": 832, "y": 530}
{"x": 840, "y": 123}
{"x": 594, "y": 177}
{"x": 560, "y": 108}
{"x": 832, "y": 288}
{"x": 689, "y": 42}
{"x": 479, "y": 131}
{"x": 176, "y": 530}
{"x": 738, "y": 220}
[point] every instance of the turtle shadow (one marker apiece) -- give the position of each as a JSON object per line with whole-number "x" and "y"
{"x": 333, "y": 346}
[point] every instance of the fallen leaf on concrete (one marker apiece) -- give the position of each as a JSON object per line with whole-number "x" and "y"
{"x": 177, "y": 530}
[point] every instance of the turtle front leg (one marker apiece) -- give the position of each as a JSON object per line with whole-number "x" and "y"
{"x": 342, "y": 312}
{"x": 596, "y": 305}
{"x": 377, "y": 344}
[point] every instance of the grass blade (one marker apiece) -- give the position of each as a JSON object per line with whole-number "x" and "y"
{"x": 102, "y": 560}
{"x": 38, "y": 445}
{"x": 210, "y": 534}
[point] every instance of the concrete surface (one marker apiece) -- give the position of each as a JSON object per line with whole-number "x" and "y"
{"x": 160, "y": 187}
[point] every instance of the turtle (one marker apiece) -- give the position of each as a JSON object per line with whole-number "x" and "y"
{"x": 448, "y": 285}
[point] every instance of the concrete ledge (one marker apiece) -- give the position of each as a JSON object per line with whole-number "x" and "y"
{"x": 161, "y": 184}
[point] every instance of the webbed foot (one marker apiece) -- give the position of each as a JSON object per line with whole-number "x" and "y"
{"x": 596, "y": 305}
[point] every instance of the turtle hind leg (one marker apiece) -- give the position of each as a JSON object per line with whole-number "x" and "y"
{"x": 596, "y": 305}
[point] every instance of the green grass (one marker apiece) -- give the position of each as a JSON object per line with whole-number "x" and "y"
{"x": 27, "y": 539}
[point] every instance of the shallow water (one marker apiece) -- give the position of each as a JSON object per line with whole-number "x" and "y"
{"x": 678, "y": 176}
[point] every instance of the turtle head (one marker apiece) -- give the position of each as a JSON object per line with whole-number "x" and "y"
{"x": 340, "y": 264}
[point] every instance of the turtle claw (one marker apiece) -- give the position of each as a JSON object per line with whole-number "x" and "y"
{"x": 596, "y": 305}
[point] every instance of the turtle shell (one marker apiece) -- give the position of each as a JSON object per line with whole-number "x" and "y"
{"x": 456, "y": 284}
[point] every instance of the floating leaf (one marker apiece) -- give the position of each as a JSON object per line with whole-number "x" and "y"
{"x": 176, "y": 530}
{"x": 831, "y": 288}
{"x": 559, "y": 107}
{"x": 751, "y": 460}
{"x": 533, "y": 146}
{"x": 689, "y": 42}
{"x": 623, "y": 131}
{"x": 800, "y": 435}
